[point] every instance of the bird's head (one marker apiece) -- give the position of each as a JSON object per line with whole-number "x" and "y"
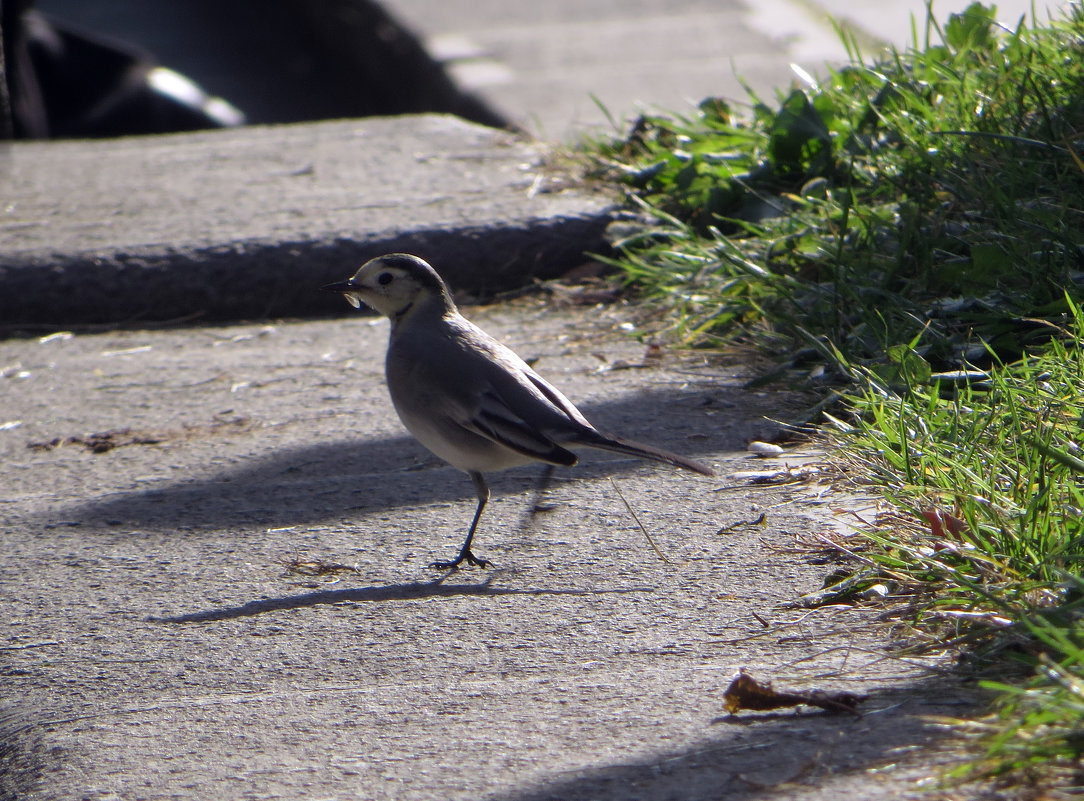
{"x": 394, "y": 285}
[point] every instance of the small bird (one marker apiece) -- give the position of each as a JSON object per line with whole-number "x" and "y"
{"x": 465, "y": 396}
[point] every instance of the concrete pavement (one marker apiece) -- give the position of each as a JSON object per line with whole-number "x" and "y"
{"x": 541, "y": 64}
{"x": 215, "y": 585}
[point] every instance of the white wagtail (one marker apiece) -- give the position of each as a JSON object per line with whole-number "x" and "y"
{"x": 464, "y": 395}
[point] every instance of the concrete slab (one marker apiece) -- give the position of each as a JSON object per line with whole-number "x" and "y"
{"x": 157, "y": 645}
{"x": 250, "y": 222}
{"x": 553, "y": 67}
{"x": 541, "y": 64}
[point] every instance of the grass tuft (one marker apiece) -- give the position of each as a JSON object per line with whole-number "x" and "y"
{"x": 936, "y": 193}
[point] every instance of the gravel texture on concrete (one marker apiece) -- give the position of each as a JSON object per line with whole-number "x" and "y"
{"x": 171, "y": 498}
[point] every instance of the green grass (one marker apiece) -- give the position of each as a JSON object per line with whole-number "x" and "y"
{"x": 912, "y": 231}
{"x": 991, "y": 477}
{"x": 933, "y": 193}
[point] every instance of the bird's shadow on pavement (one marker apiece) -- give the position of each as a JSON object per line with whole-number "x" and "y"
{"x": 411, "y": 591}
{"x": 333, "y": 481}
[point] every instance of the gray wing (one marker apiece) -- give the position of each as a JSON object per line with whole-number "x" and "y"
{"x": 472, "y": 381}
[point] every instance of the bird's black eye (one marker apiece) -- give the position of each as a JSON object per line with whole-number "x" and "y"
{"x": 384, "y": 279}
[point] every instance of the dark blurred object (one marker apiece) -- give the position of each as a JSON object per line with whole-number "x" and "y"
{"x": 66, "y": 83}
{"x": 277, "y": 60}
{"x": 381, "y": 68}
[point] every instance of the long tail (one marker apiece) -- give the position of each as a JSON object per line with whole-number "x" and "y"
{"x": 607, "y": 442}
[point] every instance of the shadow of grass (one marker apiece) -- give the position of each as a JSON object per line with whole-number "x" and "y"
{"x": 894, "y": 748}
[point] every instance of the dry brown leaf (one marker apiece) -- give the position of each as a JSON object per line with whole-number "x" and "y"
{"x": 746, "y": 693}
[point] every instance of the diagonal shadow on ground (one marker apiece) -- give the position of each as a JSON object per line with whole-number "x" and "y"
{"x": 330, "y": 481}
{"x": 810, "y": 755}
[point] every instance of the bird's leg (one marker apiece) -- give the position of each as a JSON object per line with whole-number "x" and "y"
{"x": 465, "y": 554}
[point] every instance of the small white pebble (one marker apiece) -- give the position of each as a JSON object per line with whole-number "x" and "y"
{"x": 764, "y": 448}
{"x": 873, "y": 593}
{"x": 127, "y": 351}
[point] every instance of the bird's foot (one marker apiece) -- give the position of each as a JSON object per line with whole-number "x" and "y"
{"x": 464, "y": 556}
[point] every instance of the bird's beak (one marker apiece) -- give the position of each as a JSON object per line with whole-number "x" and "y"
{"x": 339, "y": 286}
{"x": 349, "y": 291}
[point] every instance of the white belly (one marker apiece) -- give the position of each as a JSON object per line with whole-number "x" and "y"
{"x": 459, "y": 447}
